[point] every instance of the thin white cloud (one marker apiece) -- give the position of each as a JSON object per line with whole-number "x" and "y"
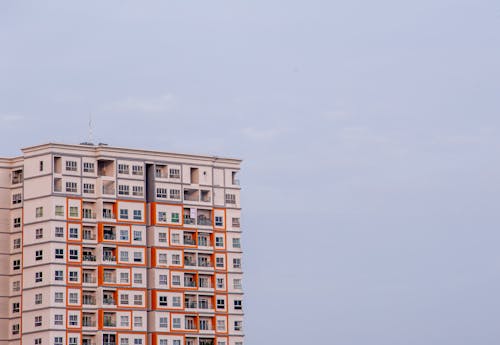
{"x": 10, "y": 118}
{"x": 263, "y": 134}
{"x": 159, "y": 104}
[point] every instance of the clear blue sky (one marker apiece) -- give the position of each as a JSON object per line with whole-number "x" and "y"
{"x": 369, "y": 129}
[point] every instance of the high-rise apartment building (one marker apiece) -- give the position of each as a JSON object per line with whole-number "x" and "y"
{"x": 102, "y": 245}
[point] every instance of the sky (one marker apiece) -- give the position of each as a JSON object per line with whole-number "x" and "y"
{"x": 369, "y": 132}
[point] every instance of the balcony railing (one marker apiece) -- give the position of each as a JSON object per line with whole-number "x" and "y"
{"x": 89, "y": 258}
{"x": 107, "y": 257}
{"x": 88, "y": 323}
{"x": 109, "y": 323}
{"x": 189, "y": 283}
{"x": 189, "y": 262}
{"x": 88, "y": 236}
{"x": 89, "y": 300}
{"x": 109, "y": 301}
{"x": 89, "y": 279}
{"x": 108, "y": 236}
{"x": 189, "y": 241}
{"x": 188, "y": 220}
{"x": 204, "y": 221}
{"x": 204, "y": 264}
{"x": 190, "y": 304}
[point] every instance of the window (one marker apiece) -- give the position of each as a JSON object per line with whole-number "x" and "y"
{"x": 59, "y": 253}
{"x": 162, "y": 216}
{"x": 237, "y": 304}
{"x": 58, "y": 320}
{"x": 137, "y": 256}
{"x": 238, "y": 325}
{"x": 38, "y": 233}
{"x": 15, "y": 329}
{"x": 72, "y": 341}
{"x": 221, "y": 304}
{"x": 70, "y": 165}
{"x": 219, "y": 241}
{"x": 73, "y": 254}
{"x": 124, "y": 256}
{"x": 123, "y": 169}
{"x": 137, "y": 341}
{"x": 73, "y": 276}
{"x": 236, "y": 242}
{"x": 177, "y": 342}
{"x": 123, "y": 299}
{"x": 17, "y": 198}
{"x": 124, "y": 320}
{"x": 124, "y": 235}
{"x": 137, "y": 235}
{"x": 38, "y": 341}
{"x": 161, "y": 193}
{"x": 176, "y": 280}
{"x": 73, "y": 297}
{"x": 221, "y": 325}
{"x": 175, "y": 173}
{"x": 176, "y": 259}
{"x": 230, "y": 199}
{"x": 38, "y": 321}
{"x": 175, "y": 217}
{"x": 58, "y": 297}
{"x": 124, "y": 277}
{"x": 16, "y": 243}
{"x": 58, "y": 340}
{"x": 176, "y": 301}
{"x": 39, "y": 212}
{"x": 162, "y": 258}
{"x": 38, "y": 255}
{"x": 220, "y": 283}
{"x": 15, "y": 307}
{"x": 59, "y": 231}
{"x": 163, "y": 342}
{"x": 219, "y": 262}
{"x": 71, "y": 187}
{"x": 162, "y": 237}
{"x": 17, "y": 222}
{"x": 137, "y": 299}
{"x": 137, "y": 190}
{"x": 16, "y": 264}
{"x": 123, "y": 214}
{"x": 176, "y": 239}
{"x": 163, "y": 322}
{"x": 58, "y": 275}
{"x": 163, "y": 301}
{"x": 38, "y": 277}
{"x": 237, "y": 284}
{"x": 175, "y": 194}
{"x": 88, "y": 167}
{"x": 137, "y": 170}
{"x": 236, "y": 263}
{"x": 137, "y": 321}
{"x": 89, "y": 188}
{"x": 123, "y": 189}
{"x": 16, "y": 286}
{"x": 236, "y": 222}
{"x": 163, "y": 279}
{"x": 137, "y": 215}
{"x": 137, "y": 278}
{"x": 219, "y": 221}
{"x": 74, "y": 212}
{"x": 73, "y": 320}
{"x": 124, "y": 341}
{"x": 59, "y": 211}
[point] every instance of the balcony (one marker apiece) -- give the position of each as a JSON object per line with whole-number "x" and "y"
{"x": 88, "y": 214}
{"x": 190, "y": 304}
{"x": 108, "y": 214}
{"x": 108, "y": 301}
{"x": 89, "y": 320}
{"x": 108, "y": 257}
{"x": 188, "y": 220}
{"x": 89, "y": 257}
{"x": 17, "y": 176}
{"x": 105, "y": 168}
{"x": 189, "y": 260}
{"x": 89, "y": 277}
{"x": 89, "y": 300}
{"x": 203, "y": 220}
{"x": 89, "y": 233}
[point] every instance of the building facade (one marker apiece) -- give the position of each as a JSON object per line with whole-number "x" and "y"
{"x": 111, "y": 246}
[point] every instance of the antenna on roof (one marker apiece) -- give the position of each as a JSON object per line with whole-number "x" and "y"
{"x": 91, "y": 129}
{"x": 90, "y": 141}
